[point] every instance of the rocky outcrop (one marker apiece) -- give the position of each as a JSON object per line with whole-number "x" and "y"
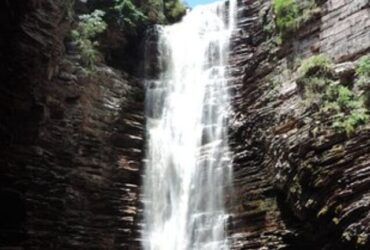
{"x": 71, "y": 140}
{"x": 298, "y": 184}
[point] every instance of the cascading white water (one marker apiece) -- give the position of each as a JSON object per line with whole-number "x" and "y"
{"x": 188, "y": 161}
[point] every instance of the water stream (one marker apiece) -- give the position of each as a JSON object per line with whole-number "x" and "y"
{"x": 188, "y": 162}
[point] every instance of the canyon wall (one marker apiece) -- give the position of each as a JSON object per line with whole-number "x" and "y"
{"x": 71, "y": 140}
{"x": 298, "y": 183}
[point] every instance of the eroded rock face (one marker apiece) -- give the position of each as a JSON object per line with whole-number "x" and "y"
{"x": 71, "y": 141}
{"x": 298, "y": 184}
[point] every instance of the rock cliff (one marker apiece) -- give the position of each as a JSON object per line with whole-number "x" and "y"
{"x": 295, "y": 188}
{"x": 71, "y": 141}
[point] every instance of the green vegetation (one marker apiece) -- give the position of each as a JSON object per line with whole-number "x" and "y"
{"x": 131, "y": 15}
{"x": 315, "y": 64}
{"x": 174, "y": 10}
{"x": 124, "y": 15}
{"x": 128, "y": 13}
{"x": 164, "y": 11}
{"x": 363, "y": 67}
{"x": 347, "y": 108}
{"x": 363, "y": 75}
{"x": 290, "y": 15}
{"x": 287, "y": 13}
{"x": 320, "y": 86}
{"x": 89, "y": 26}
{"x": 315, "y": 75}
{"x": 363, "y": 78}
{"x": 153, "y": 11}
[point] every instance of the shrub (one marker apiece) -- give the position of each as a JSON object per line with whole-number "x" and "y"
{"x": 315, "y": 75}
{"x": 89, "y": 26}
{"x": 315, "y": 64}
{"x": 286, "y": 12}
{"x": 363, "y": 66}
{"x": 341, "y": 98}
{"x": 363, "y": 78}
{"x": 128, "y": 13}
{"x": 350, "y": 122}
{"x": 363, "y": 75}
{"x": 290, "y": 16}
{"x": 345, "y": 106}
{"x": 348, "y": 108}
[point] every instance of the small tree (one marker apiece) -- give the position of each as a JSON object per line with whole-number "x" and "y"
{"x": 89, "y": 26}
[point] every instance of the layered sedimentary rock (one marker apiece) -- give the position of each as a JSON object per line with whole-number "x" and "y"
{"x": 71, "y": 140}
{"x": 298, "y": 184}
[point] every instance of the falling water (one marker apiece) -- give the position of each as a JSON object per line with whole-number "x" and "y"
{"x": 188, "y": 161}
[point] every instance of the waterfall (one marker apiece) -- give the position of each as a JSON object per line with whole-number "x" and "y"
{"x": 188, "y": 162}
